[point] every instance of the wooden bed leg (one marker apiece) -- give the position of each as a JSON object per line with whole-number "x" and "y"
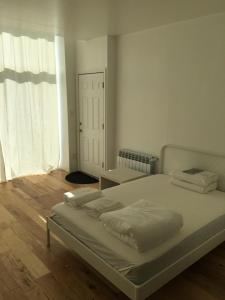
{"x": 48, "y": 236}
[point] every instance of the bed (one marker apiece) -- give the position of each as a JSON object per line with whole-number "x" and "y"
{"x": 136, "y": 274}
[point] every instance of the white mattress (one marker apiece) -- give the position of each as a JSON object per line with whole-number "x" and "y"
{"x": 203, "y": 215}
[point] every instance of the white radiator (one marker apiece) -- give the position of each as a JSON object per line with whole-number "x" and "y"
{"x": 139, "y": 161}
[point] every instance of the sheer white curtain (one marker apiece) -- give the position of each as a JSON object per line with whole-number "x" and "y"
{"x": 29, "y": 135}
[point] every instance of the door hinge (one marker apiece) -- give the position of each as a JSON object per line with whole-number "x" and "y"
{"x": 103, "y": 126}
{"x": 103, "y": 84}
{"x": 103, "y": 165}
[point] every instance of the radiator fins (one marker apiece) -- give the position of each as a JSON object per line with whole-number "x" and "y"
{"x": 139, "y": 161}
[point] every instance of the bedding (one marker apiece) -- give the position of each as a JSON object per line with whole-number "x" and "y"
{"x": 203, "y": 217}
{"x": 102, "y": 205}
{"x": 201, "y": 178}
{"x": 81, "y": 196}
{"x": 143, "y": 224}
{"x": 194, "y": 187}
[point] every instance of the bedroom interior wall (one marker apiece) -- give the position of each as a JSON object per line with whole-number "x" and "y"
{"x": 71, "y": 93}
{"x": 96, "y": 55}
{"x": 91, "y": 55}
{"x": 80, "y": 57}
{"x": 111, "y": 101}
{"x": 170, "y": 86}
{"x": 62, "y": 102}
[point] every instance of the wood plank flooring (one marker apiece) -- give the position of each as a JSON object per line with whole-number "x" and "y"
{"x": 28, "y": 270}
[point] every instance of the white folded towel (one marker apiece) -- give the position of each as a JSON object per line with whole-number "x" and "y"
{"x": 203, "y": 178}
{"x": 81, "y": 196}
{"x": 194, "y": 187}
{"x": 143, "y": 224}
{"x": 99, "y": 206}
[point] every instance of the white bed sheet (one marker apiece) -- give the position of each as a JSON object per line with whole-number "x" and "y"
{"x": 203, "y": 216}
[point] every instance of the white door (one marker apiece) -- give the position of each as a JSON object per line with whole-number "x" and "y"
{"x": 91, "y": 114}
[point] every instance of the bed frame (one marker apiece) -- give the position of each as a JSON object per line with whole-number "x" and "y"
{"x": 189, "y": 158}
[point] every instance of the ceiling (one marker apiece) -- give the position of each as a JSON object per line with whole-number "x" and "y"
{"x": 84, "y": 19}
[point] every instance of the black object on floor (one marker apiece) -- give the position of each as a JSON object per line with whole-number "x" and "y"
{"x": 80, "y": 178}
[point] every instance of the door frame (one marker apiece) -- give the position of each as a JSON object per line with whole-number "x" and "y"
{"x": 104, "y": 72}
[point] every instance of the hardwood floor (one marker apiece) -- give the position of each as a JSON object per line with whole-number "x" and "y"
{"x": 28, "y": 270}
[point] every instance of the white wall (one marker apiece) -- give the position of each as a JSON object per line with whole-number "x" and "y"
{"x": 99, "y": 55}
{"x": 71, "y": 94}
{"x": 110, "y": 102}
{"x": 91, "y": 55}
{"x": 62, "y": 102}
{"x": 171, "y": 86}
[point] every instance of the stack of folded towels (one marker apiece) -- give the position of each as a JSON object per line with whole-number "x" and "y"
{"x": 142, "y": 225}
{"x": 91, "y": 200}
{"x": 195, "y": 180}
